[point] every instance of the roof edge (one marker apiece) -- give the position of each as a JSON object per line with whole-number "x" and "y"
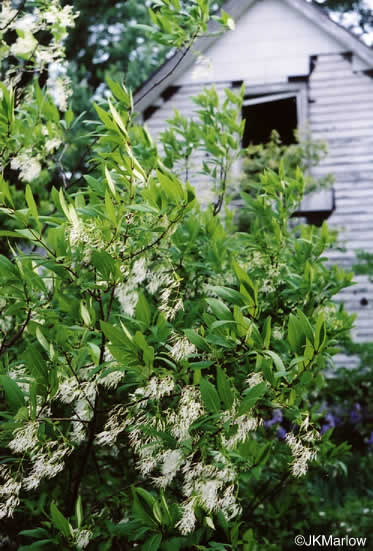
{"x": 176, "y": 65}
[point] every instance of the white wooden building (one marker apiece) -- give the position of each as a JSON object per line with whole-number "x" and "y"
{"x": 291, "y": 56}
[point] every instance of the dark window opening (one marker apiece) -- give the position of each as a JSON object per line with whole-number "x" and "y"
{"x": 265, "y": 116}
{"x": 169, "y": 92}
{"x": 149, "y": 111}
{"x": 314, "y": 218}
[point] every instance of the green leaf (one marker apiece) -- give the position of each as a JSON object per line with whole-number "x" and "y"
{"x": 230, "y": 295}
{"x": 157, "y": 513}
{"x": 263, "y": 454}
{"x": 196, "y": 339}
{"x": 118, "y": 119}
{"x": 7, "y": 233}
{"x": 109, "y": 207}
{"x": 251, "y": 398}
{"x": 85, "y": 315}
{"x": 34, "y": 533}
{"x": 13, "y": 394}
{"x": 246, "y": 282}
{"x": 201, "y": 365}
{"x": 32, "y": 205}
{"x": 143, "y": 312}
{"x": 292, "y": 333}
{"x": 42, "y": 340}
{"x": 4, "y": 189}
{"x": 267, "y": 332}
{"x": 220, "y": 309}
{"x": 36, "y": 363}
{"x": 171, "y": 185}
{"x": 104, "y": 117}
{"x": 38, "y": 545}
{"x": 222, "y": 323}
{"x": 140, "y": 513}
{"x": 146, "y": 496}
{"x": 79, "y": 511}
{"x": 110, "y": 182}
{"x": 119, "y": 91}
{"x": 59, "y": 521}
{"x": 307, "y": 328}
{"x": 224, "y": 388}
{"x": 117, "y": 336}
{"x": 320, "y": 333}
{"x": 104, "y": 263}
{"x": 153, "y": 543}
{"x": 6, "y": 266}
{"x": 276, "y": 360}
{"x": 210, "y": 396}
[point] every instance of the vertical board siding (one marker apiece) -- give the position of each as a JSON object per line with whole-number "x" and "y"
{"x": 341, "y": 112}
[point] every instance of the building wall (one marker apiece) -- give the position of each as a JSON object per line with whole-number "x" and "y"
{"x": 341, "y": 112}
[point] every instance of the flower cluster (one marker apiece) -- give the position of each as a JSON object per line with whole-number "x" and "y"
{"x": 243, "y": 425}
{"x": 9, "y": 492}
{"x": 127, "y": 293}
{"x": 46, "y": 461}
{"x": 210, "y": 487}
{"x": 181, "y": 347}
{"x": 28, "y": 165}
{"x": 302, "y": 454}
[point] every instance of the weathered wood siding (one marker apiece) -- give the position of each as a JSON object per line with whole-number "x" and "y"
{"x": 341, "y": 112}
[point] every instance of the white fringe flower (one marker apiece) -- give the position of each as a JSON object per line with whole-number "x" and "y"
{"x": 172, "y": 460}
{"x": 190, "y": 408}
{"x": 181, "y": 347}
{"x": 254, "y": 379}
{"x": 29, "y": 166}
{"x": 188, "y": 520}
{"x": 25, "y": 438}
{"x": 302, "y": 455}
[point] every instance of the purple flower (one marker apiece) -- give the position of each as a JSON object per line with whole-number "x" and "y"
{"x": 370, "y": 439}
{"x": 355, "y": 414}
{"x": 277, "y": 415}
{"x": 281, "y": 433}
{"x": 325, "y": 428}
{"x": 276, "y": 418}
{"x": 332, "y": 420}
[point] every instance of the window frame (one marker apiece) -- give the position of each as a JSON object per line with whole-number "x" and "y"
{"x": 273, "y": 92}
{"x": 319, "y": 205}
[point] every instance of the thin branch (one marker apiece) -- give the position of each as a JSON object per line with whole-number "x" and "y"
{"x": 87, "y": 452}
{"x": 110, "y": 306}
{"x": 18, "y": 335}
{"x": 14, "y": 16}
{"x": 62, "y": 419}
{"x": 158, "y": 82}
{"x": 153, "y": 243}
{"x": 78, "y": 380}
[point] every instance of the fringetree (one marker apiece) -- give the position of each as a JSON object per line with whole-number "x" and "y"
{"x": 144, "y": 345}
